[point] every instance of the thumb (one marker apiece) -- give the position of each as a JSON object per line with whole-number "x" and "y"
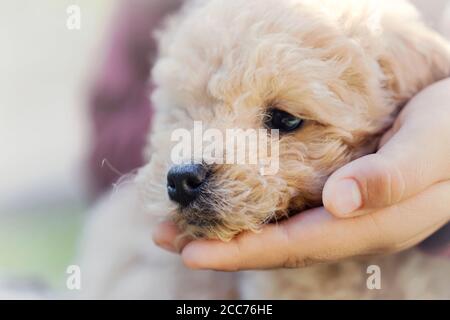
{"x": 412, "y": 160}
{"x": 367, "y": 183}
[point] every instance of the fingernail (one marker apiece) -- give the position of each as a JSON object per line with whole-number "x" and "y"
{"x": 347, "y": 197}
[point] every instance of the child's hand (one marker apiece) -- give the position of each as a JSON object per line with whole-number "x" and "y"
{"x": 381, "y": 203}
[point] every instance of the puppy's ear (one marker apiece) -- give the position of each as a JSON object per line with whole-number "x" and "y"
{"x": 413, "y": 55}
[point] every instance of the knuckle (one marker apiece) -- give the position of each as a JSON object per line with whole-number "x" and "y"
{"x": 297, "y": 263}
{"x": 397, "y": 185}
{"x": 389, "y": 184}
{"x": 291, "y": 263}
{"x": 292, "y": 258}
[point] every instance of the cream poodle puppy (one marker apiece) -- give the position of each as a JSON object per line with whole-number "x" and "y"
{"x": 330, "y": 76}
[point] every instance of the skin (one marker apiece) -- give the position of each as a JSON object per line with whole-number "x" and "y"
{"x": 382, "y": 203}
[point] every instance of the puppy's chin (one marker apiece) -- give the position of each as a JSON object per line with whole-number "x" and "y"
{"x": 205, "y": 224}
{"x": 196, "y": 218}
{"x": 202, "y": 224}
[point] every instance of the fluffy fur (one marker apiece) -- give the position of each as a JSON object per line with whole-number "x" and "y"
{"x": 345, "y": 66}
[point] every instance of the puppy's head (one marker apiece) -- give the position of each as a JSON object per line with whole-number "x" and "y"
{"x": 329, "y": 76}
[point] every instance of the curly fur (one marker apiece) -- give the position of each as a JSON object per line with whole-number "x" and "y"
{"x": 345, "y": 66}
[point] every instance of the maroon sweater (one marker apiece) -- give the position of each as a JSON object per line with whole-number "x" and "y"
{"x": 119, "y": 101}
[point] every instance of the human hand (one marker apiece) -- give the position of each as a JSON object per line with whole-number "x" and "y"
{"x": 381, "y": 203}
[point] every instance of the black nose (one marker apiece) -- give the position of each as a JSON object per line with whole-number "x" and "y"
{"x": 184, "y": 182}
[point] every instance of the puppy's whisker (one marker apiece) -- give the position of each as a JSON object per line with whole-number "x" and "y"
{"x": 105, "y": 162}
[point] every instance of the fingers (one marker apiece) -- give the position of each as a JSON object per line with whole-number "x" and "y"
{"x": 309, "y": 238}
{"x": 405, "y": 181}
{"x": 410, "y": 222}
{"x": 317, "y": 236}
{"x": 414, "y": 158}
{"x": 167, "y": 236}
{"x": 267, "y": 249}
{"x": 414, "y": 154}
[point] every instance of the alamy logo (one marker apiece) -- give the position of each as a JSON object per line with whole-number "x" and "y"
{"x": 74, "y": 17}
{"x": 374, "y": 280}
{"x": 232, "y": 146}
{"x": 73, "y": 281}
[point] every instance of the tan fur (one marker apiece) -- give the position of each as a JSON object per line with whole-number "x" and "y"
{"x": 345, "y": 66}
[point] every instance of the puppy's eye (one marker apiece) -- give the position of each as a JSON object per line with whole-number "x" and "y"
{"x": 283, "y": 121}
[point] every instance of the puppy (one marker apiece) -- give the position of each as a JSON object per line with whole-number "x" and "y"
{"x": 330, "y": 76}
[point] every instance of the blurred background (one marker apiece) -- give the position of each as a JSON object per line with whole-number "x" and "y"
{"x": 45, "y": 71}
{"x": 64, "y": 96}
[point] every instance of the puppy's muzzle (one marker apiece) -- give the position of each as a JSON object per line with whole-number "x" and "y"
{"x": 184, "y": 183}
